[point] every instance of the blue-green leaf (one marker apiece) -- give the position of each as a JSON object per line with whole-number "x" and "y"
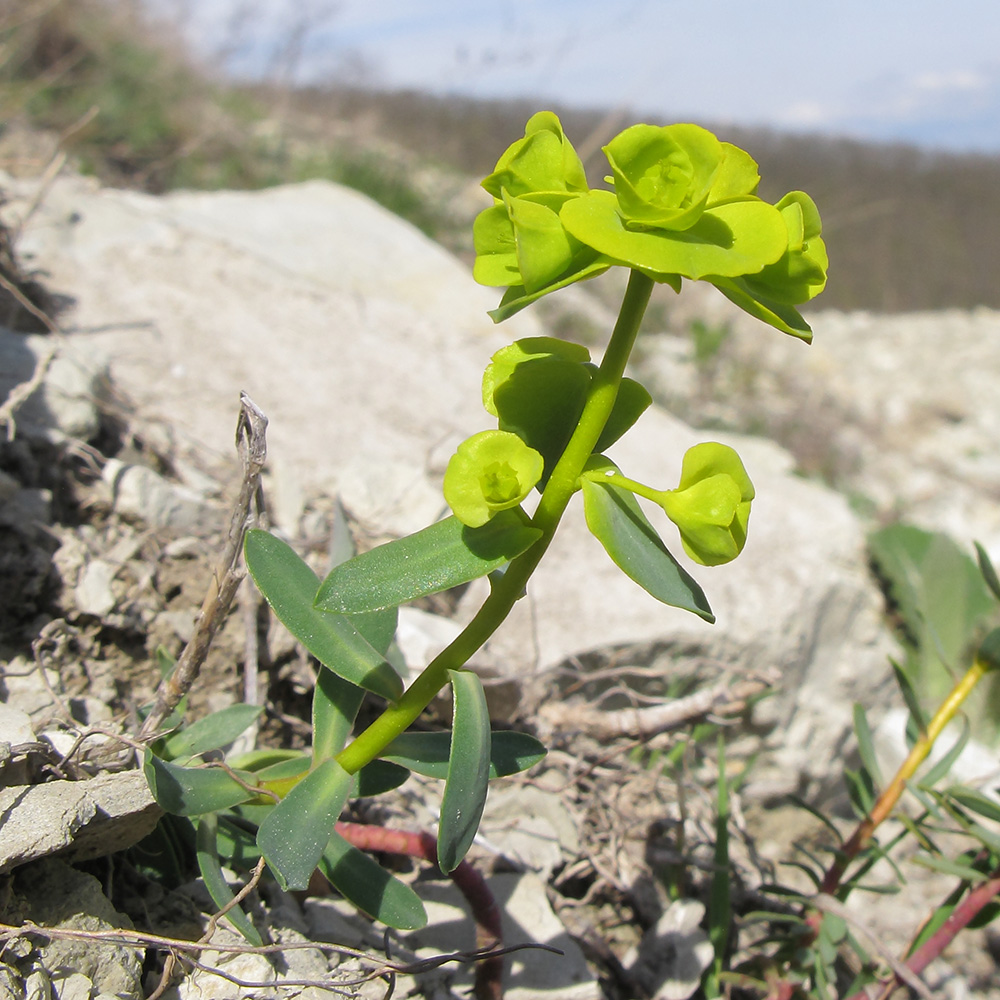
{"x": 428, "y": 753}
{"x": 289, "y": 586}
{"x": 213, "y": 731}
{"x": 616, "y": 520}
{"x": 237, "y": 844}
{"x": 987, "y": 569}
{"x": 468, "y": 770}
{"x": 335, "y": 705}
{"x": 192, "y": 791}
{"x": 866, "y": 745}
{"x": 207, "y": 852}
{"x": 377, "y": 777}
{"x": 294, "y": 835}
{"x": 258, "y": 760}
{"x": 917, "y": 715}
{"x": 944, "y": 765}
{"x": 976, "y": 802}
{"x": 436, "y": 558}
{"x": 366, "y": 884}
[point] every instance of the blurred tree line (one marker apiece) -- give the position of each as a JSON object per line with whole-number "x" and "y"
{"x": 906, "y": 229}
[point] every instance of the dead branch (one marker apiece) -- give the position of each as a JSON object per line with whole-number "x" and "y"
{"x": 725, "y": 697}
{"x": 252, "y": 446}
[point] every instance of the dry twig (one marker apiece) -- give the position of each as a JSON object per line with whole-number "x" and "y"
{"x": 252, "y": 446}
{"x": 726, "y": 696}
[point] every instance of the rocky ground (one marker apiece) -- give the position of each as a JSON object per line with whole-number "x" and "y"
{"x": 364, "y": 344}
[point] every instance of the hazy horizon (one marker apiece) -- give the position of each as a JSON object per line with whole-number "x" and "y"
{"x": 860, "y": 70}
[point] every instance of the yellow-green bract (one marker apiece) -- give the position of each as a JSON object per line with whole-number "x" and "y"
{"x": 711, "y": 505}
{"x": 490, "y": 472}
{"x": 683, "y": 205}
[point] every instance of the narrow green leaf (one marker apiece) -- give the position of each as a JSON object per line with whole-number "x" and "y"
{"x": 334, "y": 708}
{"x": 165, "y": 661}
{"x": 922, "y": 793}
{"x": 341, "y": 543}
{"x": 817, "y": 814}
{"x": 366, "y": 884}
{"x": 436, "y": 558}
{"x": 784, "y": 891}
{"x": 207, "y": 852}
{"x": 258, "y": 760}
{"x": 289, "y": 586}
{"x": 769, "y": 916}
{"x": 616, "y": 520}
{"x": 213, "y": 731}
{"x": 815, "y": 877}
{"x": 985, "y": 916}
{"x": 965, "y": 872}
{"x": 988, "y": 571}
{"x": 720, "y": 903}
{"x": 936, "y": 920}
{"x": 866, "y": 745}
{"x": 291, "y": 767}
{"x": 975, "y": 802}
{"x": 236, "y": 844}
{"x": 295, "y": 833}
{"x": 864, "y": 978}
{"x": 988, "y": 838}
{"x": 377, "y": 777}
{"x": 428, "y": 753}
{"x": 860, "y": 790}
{"x": 878, "y": 890}
{"x": 468, "y": 770}
{"x": 944, "y": 765}
{"x": 192, "y": 791}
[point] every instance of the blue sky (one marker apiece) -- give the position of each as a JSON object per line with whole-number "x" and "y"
{"x": 923, "y": 71}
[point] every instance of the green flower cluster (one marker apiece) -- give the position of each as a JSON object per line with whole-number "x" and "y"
{"x": 490, "y": 472}
{"x": 711, "y": 505}
{"x": 683, "y": 205}
{"x": 536, "y": 388}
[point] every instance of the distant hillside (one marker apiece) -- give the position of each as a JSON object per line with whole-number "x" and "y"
{"x": 906, "y": 229}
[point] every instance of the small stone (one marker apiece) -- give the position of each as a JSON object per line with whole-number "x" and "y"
{"x": 93, "y": 593}
{"x": 140, "y": 493}
{"x": 72, "y": 987}
{"x": 15, "y": 728}
{"x": 673, "y": 954}
{"x": 37, "y": 986}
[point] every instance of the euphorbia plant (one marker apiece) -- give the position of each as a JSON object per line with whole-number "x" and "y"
{"x": 681, "y": 204}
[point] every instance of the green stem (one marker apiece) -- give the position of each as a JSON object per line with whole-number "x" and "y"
{"x": 562, "y": 484}
{"x": 639, "y": 489}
